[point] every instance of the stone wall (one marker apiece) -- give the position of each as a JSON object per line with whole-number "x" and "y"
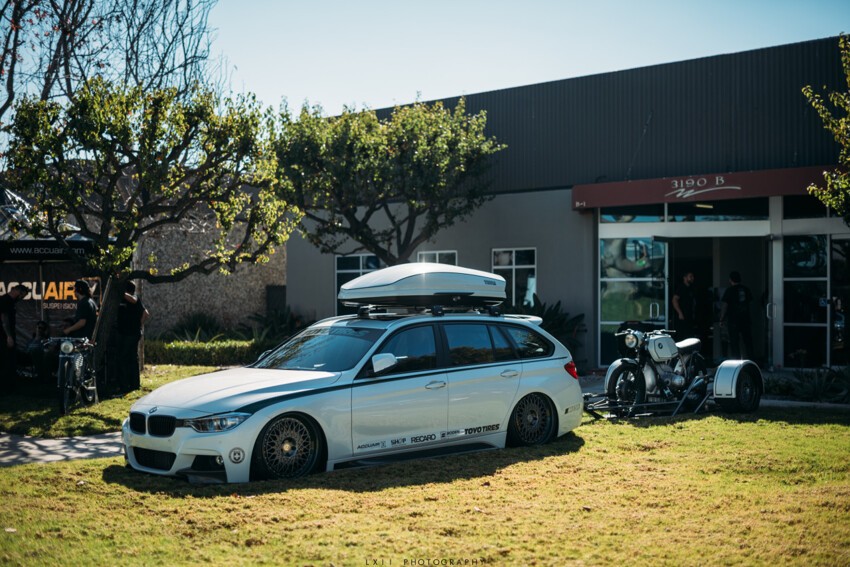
{"x": 231, "y": 299}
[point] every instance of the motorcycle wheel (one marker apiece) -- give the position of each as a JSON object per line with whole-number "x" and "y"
{"x": 626, "y": 391}
{"x": 747, "y": 395}
{"x": 67, "y": 394}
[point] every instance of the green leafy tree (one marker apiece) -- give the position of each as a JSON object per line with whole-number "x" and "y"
{"x": 836, "y": 118}
{"x": 115, "y": 166}
{"x": 383, "y": 186}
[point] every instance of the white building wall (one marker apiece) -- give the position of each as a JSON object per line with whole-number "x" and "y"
{"x": 565, "y": 240}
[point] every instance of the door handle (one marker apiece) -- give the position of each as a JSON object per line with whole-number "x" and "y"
{"x": 436, "y": 385}
{"x": 509, "y": 374}
{"x": 768, "y": 310}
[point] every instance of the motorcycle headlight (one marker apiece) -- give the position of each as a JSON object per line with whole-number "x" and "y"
{"x": 216, "y": 423}
{"x": 67, "y": 347}
{"x": 630, "y": 340}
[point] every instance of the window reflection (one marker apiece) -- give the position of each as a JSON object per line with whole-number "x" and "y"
{"x": 805, "y": 256}
{"x": 728, "y": 210}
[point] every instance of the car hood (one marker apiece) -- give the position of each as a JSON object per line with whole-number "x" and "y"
{"x": 229, "y": 390}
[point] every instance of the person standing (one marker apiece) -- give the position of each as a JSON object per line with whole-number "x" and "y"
{"x": 735, "y": 315}
{"x": 85, "y": 317}
{"x": 685, "y": 307}
{"x": 132, "y": 315}
{"x": 8, "y": 338}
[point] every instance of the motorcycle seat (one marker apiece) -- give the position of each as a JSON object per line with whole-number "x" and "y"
{"x": 688, "y": 346}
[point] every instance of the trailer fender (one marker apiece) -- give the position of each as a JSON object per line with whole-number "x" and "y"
{"x": 726, "y": 377}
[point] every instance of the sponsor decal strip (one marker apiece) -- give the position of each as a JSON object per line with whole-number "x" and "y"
{"x": 419, "y": 439}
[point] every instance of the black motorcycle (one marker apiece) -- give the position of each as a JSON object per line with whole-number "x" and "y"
{"x": 75, "y": 378}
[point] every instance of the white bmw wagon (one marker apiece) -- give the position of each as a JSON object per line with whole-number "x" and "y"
{"x": 427, "y": 366}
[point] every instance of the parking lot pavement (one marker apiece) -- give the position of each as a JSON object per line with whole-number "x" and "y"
{"x": 17, "y": 449}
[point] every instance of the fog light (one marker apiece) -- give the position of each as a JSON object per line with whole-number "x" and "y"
{"x": 219, "y": 460}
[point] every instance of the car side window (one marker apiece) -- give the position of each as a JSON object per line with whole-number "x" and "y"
{"x": 469, "y": 344}
{"x": 501, "y": 345}
{"x": 415, "y": 349}
{"x": 529, "y": 344}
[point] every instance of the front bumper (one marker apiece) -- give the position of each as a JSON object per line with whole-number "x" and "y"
{"x": 202, "y": 457}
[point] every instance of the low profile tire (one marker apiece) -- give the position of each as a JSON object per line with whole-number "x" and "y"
{"x": 747, "y": 395}
{"x": 533, "y": 421}
{"x": 289, "y": 446}
{"x": 626, "y": 390}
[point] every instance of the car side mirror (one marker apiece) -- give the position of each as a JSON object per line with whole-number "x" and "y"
{"x": 384, "y": 361}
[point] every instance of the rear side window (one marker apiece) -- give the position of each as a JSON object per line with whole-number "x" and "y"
{"x": 469, "y": 344}
{"x": 415, "y": 349}
{"x": 529, "y": 344}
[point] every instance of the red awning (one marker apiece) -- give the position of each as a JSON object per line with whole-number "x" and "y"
{"x": 698, "y": 188}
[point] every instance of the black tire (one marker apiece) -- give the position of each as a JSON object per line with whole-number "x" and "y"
{"x": 747, "y": 394}
{"x": 626, "y": 390}
{"x": 67, "y": 395}
{"x": 533, "y": 421}
{"x": 289, "y": 446}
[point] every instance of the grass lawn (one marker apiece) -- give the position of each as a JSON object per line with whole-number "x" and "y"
{"x": 770, "y": 488}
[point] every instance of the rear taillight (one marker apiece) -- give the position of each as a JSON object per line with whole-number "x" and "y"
{"x": 570, "y": 367}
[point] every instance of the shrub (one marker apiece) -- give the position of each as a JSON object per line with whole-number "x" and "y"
{"x": 822, "y": 385}
{"x": 556, "y": 321}
{"x": 214, "y": 353}
{"x": 195, "y": 327}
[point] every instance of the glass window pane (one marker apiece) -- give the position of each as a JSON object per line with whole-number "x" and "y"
{"x": 631, "y": 300}
{"x": 427, "y": 257}
{"x": 805, "y": 347}
{"x": 509, "y": 284}
{"x": 529, "y": 344}
{"x": 802, "y": 207}
{"x": 469, "y": 344}
{"x": 805, "y": 302}
{"x": 370, "y": 263}
{"x": 631, "y": 258}
{"x": 502, "y": 346}
{"x": 728, "y": 210}
{"x": 414, "y": 348}
{"x": 503, "y": 257}
{"x": 805, "y": 256}
{"x": 639, "y": 213}
{"x": 348, "y": 262}
{"x": 525, "y": 257}
{"x": 526, "y": 286}
{"x": 447, "y": 258}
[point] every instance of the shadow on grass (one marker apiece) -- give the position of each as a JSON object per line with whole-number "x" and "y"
{"x": 436, "y": 470}
{"x": 786, "y": 415}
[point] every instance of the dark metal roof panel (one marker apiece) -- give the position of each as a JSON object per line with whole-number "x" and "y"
{"x": 737, "y": 112}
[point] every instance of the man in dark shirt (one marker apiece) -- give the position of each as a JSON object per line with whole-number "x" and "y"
{"x": 132, "y": 315}
{"x": 85, "y": 317}
{"x": 8, "y": 339}
{"x": 735, "y": 315}
{"x": 685, "y": 308}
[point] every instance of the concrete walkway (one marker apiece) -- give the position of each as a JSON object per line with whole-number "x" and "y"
{"x": 17, "y": 449}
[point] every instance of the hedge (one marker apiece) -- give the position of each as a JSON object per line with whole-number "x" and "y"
{"x": 214, "y": 353}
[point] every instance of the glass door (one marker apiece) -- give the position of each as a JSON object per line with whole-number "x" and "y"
{"x": 839, "y": 276}
{"x": 632, "y": 288}
{"x": 806, "y": 300}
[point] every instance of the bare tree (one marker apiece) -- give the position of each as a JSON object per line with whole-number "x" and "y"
{"x": 50, "y": 48}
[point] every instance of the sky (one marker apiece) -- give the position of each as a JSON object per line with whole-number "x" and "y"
{"x": 382, "y": 53}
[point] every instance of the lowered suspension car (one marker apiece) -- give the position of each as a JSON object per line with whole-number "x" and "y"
{"x": 427, "y": 366}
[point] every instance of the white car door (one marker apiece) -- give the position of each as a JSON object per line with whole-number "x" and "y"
{"x": 484, "y": 376}
{"x": 405, "y": 406}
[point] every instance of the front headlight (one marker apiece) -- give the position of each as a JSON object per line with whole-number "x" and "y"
{"x": 216, "y": 423}
{"x": 67, "y": 347}
{"x": 630, "y": 340}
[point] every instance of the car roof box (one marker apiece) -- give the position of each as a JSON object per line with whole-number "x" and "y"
{"x": 424, "y": 284}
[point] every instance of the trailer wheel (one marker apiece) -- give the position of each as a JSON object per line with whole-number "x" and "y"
{"x": 747, "y": 394}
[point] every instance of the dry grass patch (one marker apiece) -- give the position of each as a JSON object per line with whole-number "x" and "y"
{"x": 773, "y": 488}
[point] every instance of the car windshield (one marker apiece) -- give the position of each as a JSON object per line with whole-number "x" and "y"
{"x": 329, "y": 349}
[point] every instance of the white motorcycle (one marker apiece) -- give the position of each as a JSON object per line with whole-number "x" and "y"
{"x": 658, "y": 374}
